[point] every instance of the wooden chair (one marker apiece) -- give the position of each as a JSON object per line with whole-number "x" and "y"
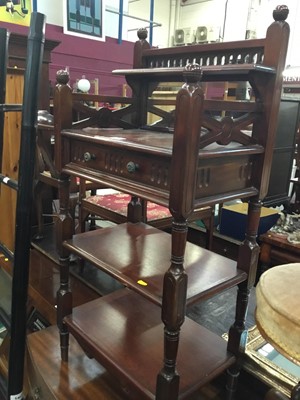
{"x": 277, "y": 315}
{"x": 140, "y": 333}
{"x": 115, "y": 207}
{"x": 47, "y": 176}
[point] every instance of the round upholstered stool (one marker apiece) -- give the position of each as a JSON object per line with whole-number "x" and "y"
{"x": 278, "y": 310}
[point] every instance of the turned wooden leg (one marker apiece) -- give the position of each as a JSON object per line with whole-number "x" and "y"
{"x": 247, "y": 261}
{"x": 209, "y": 226}
{"x": 144, "y": 210}
{"x": 237, "y": 339}
{"x": 134, "y": 210}
{"x": 83, "y": 215}
{"x": 64, "y": 230}
{"x": 64, "y": 307}
{"x": 173, "y": 313}
{"x": 38, "y": 195}
{"x": 93, "y": 217}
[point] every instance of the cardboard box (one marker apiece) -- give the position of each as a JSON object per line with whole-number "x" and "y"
{"x": 233, "y": 220}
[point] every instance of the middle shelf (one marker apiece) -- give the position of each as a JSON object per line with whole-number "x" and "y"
{"x": 135, "y": 263}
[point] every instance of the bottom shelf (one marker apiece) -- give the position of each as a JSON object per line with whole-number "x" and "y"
{"x": 124, "y": 332}
{"x": 79, "y": 379}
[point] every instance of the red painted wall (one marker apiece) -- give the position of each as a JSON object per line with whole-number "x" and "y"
{"x": 92, "y": 58}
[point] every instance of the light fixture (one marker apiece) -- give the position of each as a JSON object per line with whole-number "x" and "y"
{"x": 83, "y": 85}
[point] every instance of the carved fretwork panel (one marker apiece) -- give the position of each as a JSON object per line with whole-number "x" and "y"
{"x": 104, "y": 117}
{"x": 211, "y": 56}
{"x": 227, "y": 130}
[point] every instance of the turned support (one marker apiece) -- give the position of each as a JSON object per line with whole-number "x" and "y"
{"x": 247, "y": 261}
{"x": 173, "y": 314}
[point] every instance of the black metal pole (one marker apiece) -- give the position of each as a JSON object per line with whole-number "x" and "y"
{"x": 4, "y": 36}
{"x": 35, "y": 46}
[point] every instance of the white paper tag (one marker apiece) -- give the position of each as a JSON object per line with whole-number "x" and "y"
{"x": 16, "y": 396}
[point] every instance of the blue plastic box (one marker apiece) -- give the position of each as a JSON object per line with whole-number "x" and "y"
{"x": 233, "y": 220}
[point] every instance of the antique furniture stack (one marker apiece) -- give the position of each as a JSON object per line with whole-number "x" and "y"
{"x": 102, "y": 206}
{"x": 140, "y": 333}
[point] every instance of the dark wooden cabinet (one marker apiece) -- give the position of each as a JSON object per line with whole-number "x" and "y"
{"x": 17, "y": 60}
{"x": 276, "y": 250}
{"x": 284, "y": 153}
{"x": 14, "y": 95}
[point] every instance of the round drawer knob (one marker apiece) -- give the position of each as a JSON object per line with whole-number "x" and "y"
{"x": 132, "y": 167}
{"x": 88, "y": 156}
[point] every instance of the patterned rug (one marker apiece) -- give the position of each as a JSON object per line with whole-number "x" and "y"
{"x": 117, "y": 202}
{"x": 217, "y": 313}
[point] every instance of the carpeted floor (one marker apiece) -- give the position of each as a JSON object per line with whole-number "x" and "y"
{"x": 217, "y": 313}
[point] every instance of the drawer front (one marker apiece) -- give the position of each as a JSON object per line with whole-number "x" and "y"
{"x": 144, "y": 168}
{"x": 219, "y": 175}
{"x": 214, "y": 174}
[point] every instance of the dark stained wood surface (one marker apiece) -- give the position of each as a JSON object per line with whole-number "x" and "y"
{"x": 135, "y": 259}
{"x": 208, "y": 73}
{"x": 158, "y": 57}
{"x": 151, "y": 152}
{"x": 276, "y": 249}
{"x": 44, "y": 283}
{"x": 84, "y": 378}
{"x": 81, "y": 378}
{"x": 136, "y": 355}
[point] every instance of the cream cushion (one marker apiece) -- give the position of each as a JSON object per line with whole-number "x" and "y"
{"x": 278, "y": 309}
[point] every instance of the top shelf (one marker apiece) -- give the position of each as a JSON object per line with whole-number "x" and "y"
{"x": 226, "y": 72}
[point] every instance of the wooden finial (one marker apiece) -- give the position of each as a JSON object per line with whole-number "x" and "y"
{"x": 62, "y": 77}
{"x": 280, "y": 13}
{"x": 139, "y": 46}
{"x": 142, "y": 34}
{"x": 192, "y": 73}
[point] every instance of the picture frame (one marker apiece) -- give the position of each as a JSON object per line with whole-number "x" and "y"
{"x": 16, "y": 11}
{"x": 269, "y": 366}
{"x": 84, "y": 18}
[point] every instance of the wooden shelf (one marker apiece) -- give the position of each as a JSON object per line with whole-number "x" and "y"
{"x": 80, "y": 378}
{"x": 139, "y": 264}
{"x": 44, "y": 282}
{"x": 231, "y": 72}
{"x": 108, "y": 329}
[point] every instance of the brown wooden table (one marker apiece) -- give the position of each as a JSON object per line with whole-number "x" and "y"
{"x": 276, "y": 249}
